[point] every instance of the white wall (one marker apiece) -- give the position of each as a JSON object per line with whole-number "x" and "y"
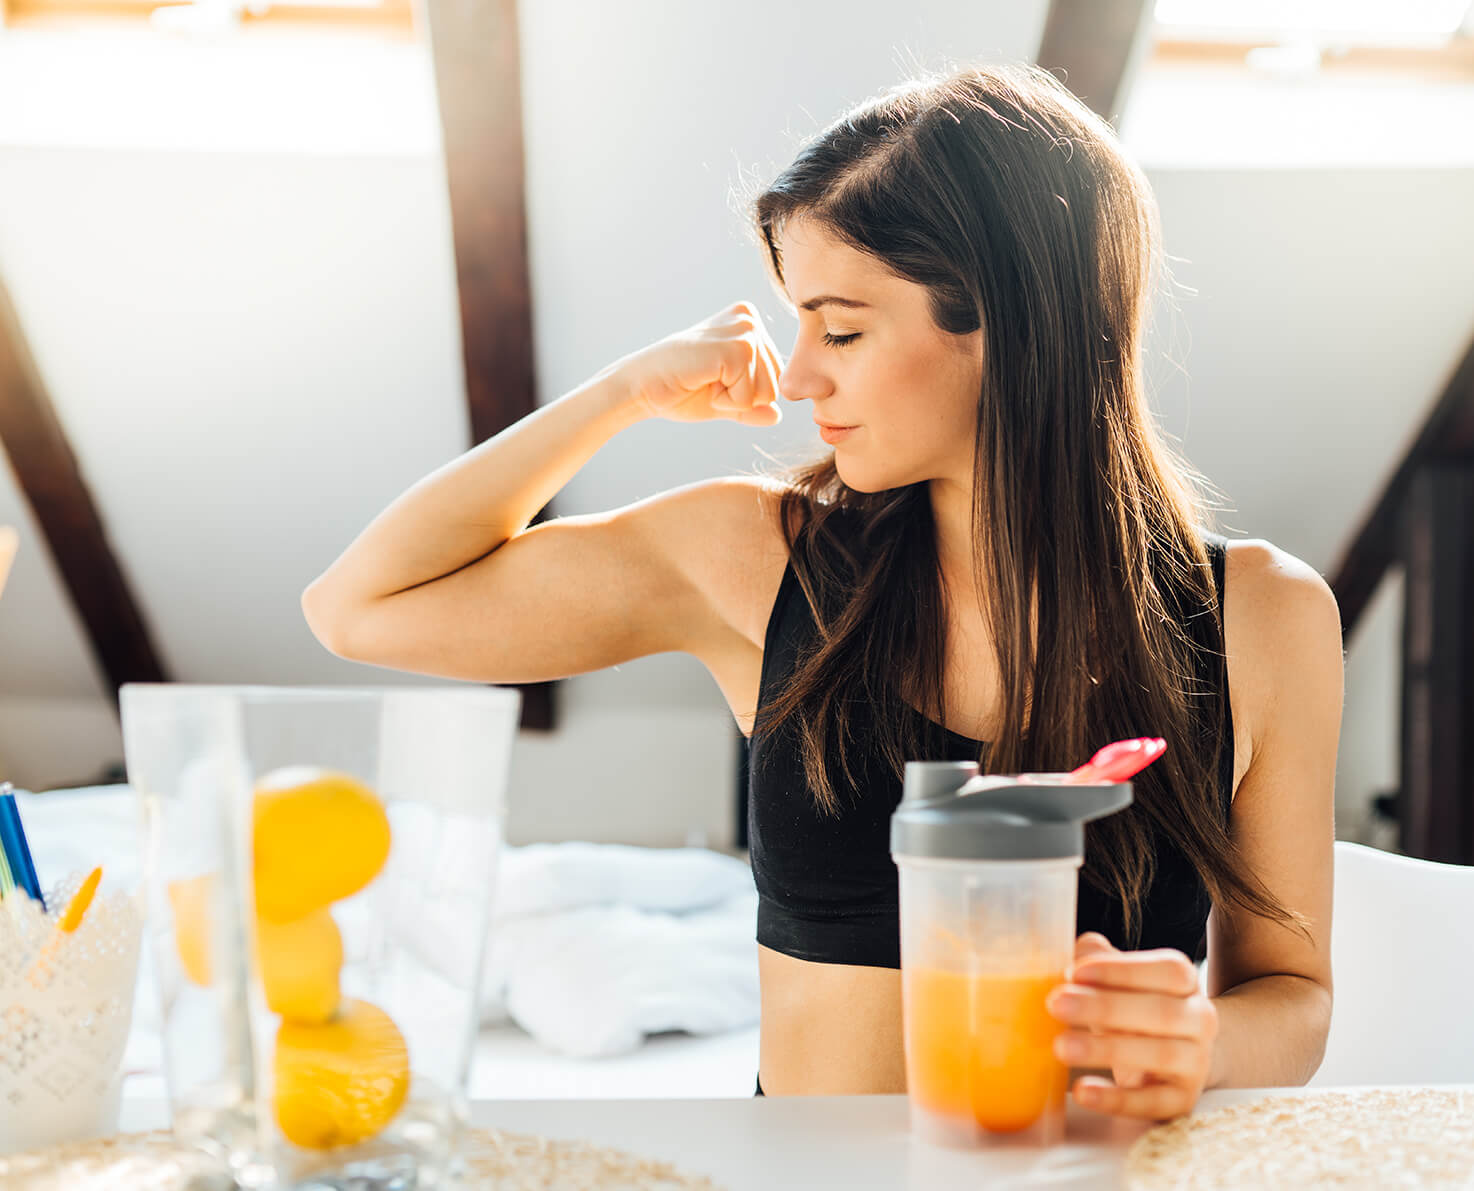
{"x": 247, "y": 320}
{"x": 1316, "y": 313}
{"x": 252, "y": 337}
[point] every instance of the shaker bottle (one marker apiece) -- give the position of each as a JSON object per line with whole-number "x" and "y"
{"x": 988, "y": 875}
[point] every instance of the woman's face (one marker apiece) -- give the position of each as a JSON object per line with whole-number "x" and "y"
{"x": 871, "y": 360}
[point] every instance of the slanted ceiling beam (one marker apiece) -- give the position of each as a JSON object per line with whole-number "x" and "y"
{"x": 1093, "y": 46}
{"x": 53, "y": 486}
{"x": 1447, "y": 435}
{"x": 478, "y": 78}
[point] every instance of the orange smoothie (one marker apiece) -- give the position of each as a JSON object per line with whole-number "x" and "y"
{"x": 983, "y": 1047}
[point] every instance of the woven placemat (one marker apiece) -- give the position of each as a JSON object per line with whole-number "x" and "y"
{"x": 493, "y": 1159}
{"x": 1372, "y": 1138}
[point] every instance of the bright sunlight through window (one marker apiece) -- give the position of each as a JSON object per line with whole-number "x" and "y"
{"x": 1381, "y": 22}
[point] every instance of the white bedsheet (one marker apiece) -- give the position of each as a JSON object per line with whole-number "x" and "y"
{"x": 591, "y": 947}
{"x": 707, "y": 901}
{"x": 597, "y": 980}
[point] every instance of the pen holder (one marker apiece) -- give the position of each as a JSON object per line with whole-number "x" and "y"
{"x": 66, "y": 1001}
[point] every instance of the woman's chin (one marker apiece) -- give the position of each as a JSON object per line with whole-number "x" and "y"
{"x": 862, "y": 479}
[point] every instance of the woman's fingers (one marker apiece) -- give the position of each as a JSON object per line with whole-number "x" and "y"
{"x": 1141, "y": 1016}
{"x": 1132, "y": 1012}
{"x": 747, "y": 387}
{"x": 1162, "y": 1057}
{"x": 1163, "y": 970}
{"x": 719, "y": 398}
{"x": 723, "y": 367}
{"x": 761, "y": 415}
{"x": 748, "y": 366}
{"x": 772, "y": 362}
{"x": 1093, "y": 943}
{"x": 768, "y": 371}
{"x": 739, "y": 371}
{"x": 1151, "y": 1102}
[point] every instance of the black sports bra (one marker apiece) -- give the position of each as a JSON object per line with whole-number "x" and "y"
{"x": 827, "y": 888}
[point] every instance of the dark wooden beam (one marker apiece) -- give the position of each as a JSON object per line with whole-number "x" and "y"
{"x": 478, "y": 79}
{"x": 1436, "y": 803}
{"x": 1093, "y": 46}
{"x": 1447, "y": 435}
{"x": 52, "y": 484}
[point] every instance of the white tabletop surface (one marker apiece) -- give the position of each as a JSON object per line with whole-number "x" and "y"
{"x": 861, "y": 1143}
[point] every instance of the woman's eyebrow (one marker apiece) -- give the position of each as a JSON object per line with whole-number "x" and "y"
{"x": 832, "y": 300}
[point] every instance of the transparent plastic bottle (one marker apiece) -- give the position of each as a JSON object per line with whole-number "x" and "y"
{"x": 988, "y": 875}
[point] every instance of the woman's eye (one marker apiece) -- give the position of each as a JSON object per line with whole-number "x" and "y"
{"x": 840, "y": 340}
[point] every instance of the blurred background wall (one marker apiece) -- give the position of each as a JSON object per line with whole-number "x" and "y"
{"x": 233, "y": 264}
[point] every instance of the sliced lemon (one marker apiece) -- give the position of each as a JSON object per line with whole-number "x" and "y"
{"x": 190, "y": 899}
{"x": 299, "y": 966}
{"x": 319, "y": 836}
{"x": 342, "y": 1081}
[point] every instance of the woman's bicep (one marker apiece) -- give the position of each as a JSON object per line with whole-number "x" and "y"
{"x": 563, "y": 597}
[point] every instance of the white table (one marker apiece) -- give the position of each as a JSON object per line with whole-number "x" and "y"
{"x": 860, "y": 1143}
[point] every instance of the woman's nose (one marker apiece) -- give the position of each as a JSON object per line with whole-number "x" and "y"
{"x": 798, "y": 382}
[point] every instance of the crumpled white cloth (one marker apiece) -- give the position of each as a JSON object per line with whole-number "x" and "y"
{"x": 544, "y": 878}
{"x": 596, "y": 980}
{"x": 592, "y": 947}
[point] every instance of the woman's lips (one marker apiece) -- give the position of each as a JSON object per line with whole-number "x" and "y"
{"x": 833, "y": 434}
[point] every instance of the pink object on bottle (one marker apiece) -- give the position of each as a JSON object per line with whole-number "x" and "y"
{"x": 1121, "y": 760}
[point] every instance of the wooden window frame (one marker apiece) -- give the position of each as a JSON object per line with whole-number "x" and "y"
{"x": 391, "y": 18}
{"x": 1451, "y": 60}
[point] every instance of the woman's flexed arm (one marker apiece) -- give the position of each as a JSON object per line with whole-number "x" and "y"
{"x": 426, "y": 582}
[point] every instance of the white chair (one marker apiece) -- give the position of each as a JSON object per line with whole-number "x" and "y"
{"x": 1402, "y": 959}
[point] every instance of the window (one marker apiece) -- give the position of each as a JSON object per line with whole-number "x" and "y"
{"x": 1426, "y": 38}
{"x": 394, "y": 17}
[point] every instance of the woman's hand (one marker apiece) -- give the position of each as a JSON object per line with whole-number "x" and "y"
{"x": 724, "y": 367}
{"x": 1140, "y": 1014}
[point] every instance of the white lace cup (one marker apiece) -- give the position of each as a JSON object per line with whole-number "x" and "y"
{"x": 66, "y": 1002}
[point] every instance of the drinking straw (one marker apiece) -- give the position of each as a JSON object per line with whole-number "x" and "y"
{"x": 8, "y": 888}
{"x": 79, "y": 903}
{"x": 69, "y": 921}
{"x": 17, "y": 851}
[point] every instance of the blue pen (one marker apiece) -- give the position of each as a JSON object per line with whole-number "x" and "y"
{"x": 17, "y": 851}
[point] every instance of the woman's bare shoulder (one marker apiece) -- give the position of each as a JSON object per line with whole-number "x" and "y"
{"x": 728, "y": 536}
{"x": 1282, "y": 631}
{"x": 1268, "y": 584}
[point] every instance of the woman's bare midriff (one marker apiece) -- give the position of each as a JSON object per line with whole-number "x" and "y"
{"x": 829, "y": 1029}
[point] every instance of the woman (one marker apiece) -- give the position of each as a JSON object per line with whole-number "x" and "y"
{"x": 997, "y": 550}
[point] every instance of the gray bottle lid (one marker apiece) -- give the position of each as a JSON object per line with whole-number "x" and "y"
{"x": 949, "y": 812}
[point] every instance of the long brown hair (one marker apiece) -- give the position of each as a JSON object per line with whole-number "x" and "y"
{"x": 1012, "y": 203}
